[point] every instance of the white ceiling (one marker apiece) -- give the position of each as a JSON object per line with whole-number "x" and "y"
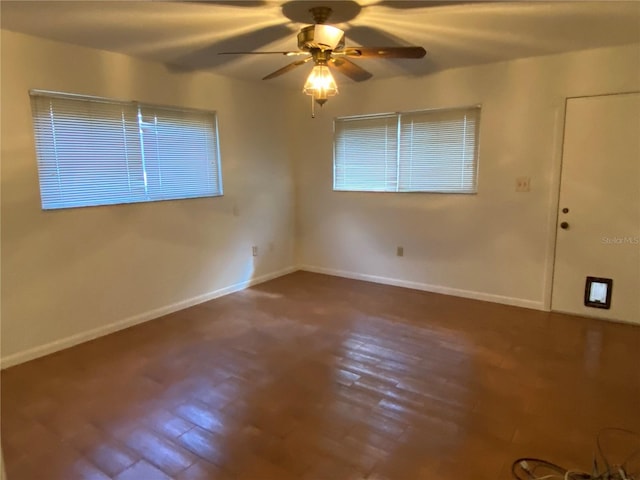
{"x": 188, "y": 34}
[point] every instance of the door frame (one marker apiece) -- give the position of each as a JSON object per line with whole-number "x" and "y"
{"x": 556, "y": 183}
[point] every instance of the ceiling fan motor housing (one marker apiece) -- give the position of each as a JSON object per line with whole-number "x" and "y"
{"x": 323, "y": 37}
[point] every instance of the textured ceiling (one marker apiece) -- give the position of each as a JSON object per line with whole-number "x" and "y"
{"x": 187, "y": 35}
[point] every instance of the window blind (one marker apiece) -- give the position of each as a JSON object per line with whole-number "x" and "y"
{"x": 366, "y": 150}
{"x": 438, "y": 151}
{"x": 426, "y": 151}
{"x": 180, "y": 153}
{"x": 100, "y": 152}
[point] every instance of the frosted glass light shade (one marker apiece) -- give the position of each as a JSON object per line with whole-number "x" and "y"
{"x": 320, "y": 84}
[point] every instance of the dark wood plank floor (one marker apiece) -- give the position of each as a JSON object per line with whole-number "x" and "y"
{"x": 316, "y": 377}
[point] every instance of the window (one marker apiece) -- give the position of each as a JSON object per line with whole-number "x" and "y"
{"x": 94, "y": 151}
{"x": 426, "y": 151}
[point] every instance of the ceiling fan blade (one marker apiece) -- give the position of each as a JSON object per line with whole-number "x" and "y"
{"x": 384, "y": 52}
{"x": 367, "y": 35}
{"x": 288, "y": 54}
{"x": 206, "y": 57}
{"x": 287, "y": 68}
{"x": 350, "y": 69}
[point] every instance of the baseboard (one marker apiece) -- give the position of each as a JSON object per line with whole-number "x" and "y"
{"x": 67, "y": 342}
{"x": 487, "y": 297}
{"x": 76, "y": 339}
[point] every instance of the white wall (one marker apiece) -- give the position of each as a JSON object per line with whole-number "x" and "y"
{"x": 496, "y": 245}
{"x": 71, "y": 274}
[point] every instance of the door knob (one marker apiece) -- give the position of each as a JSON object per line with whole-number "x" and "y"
{"x": 564, "y": 225}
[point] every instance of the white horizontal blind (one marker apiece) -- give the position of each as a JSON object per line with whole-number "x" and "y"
{"x": 365, "y": 153}
{"x": 427, "y": 151}
{"x": 101, "y": 152}
{"x": 180, "y": 153}
{"x": 87, "y": 150}
{"x": 438, "y": 151}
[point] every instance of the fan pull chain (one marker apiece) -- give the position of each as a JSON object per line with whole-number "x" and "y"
{"x": 313, "y": 107}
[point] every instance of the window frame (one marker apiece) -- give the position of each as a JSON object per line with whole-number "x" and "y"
{"x": 398, "y": 115}
{"x": 140, "y": 107}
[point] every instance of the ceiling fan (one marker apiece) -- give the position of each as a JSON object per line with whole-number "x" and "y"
{"x": 325, "y": 45}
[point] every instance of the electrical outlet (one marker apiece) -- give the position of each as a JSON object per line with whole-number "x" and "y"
{"x": 400, "y": 251}
{"x": 254, "y": 251}
{"x": 523, "y": 184}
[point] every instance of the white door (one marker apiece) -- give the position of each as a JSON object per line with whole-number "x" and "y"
{"x": 598, "y": 231}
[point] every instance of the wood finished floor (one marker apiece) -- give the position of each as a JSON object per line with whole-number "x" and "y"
{"x": 316, "y": 377}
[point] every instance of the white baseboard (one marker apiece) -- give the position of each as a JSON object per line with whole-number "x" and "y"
{"x": 487, "y": 297}
{"x": 67, "y": 342}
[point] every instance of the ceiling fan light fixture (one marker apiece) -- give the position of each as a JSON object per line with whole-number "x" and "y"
{"x": 320, "y": 84}
{"x": 324, "y": 37}
{"x": 325, "y": 45}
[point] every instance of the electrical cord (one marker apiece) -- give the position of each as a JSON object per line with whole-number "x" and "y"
{"x": 530, "y": 468}
{"x": 624, "y": 465}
